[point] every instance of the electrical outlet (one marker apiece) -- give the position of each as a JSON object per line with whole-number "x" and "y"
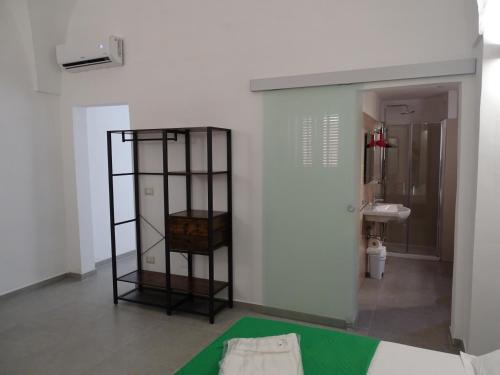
{"x": 150, "y": 259}
{"x": 149, "y": 191}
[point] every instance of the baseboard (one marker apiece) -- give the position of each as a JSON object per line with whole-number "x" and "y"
{"x": 48, "y": 281}
{"x": 53, "y": 279}
{"x": 81, "y": 276}
{"x": 413, "y": 256}
{"x": 294, "y": 315}
{"x": 108, "y": 261}
{"x": 273, "y": 311}
{"x": 33, "y": 286}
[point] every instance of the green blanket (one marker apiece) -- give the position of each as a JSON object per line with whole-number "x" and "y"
{"x": 323, "y": 351}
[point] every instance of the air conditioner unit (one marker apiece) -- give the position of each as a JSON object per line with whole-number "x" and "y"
{"x": 101, "y": 54}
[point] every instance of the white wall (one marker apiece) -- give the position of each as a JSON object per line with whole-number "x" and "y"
{"x": 484, "y": 326}
{"x": 98, "y": 121}
{"x": 190, "y": 62}
{"x": 469, "y": 94}
{"x": 371, "y": 104}
{"x": 31, "y": 191}
{"x": 48, "y": 23}
{"x": 85, "y": 258}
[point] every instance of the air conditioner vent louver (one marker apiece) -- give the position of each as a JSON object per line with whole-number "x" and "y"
{"x": 100, "y": 54}
{"x": 77, "y": 64}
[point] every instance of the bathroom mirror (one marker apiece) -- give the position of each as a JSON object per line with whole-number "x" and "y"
{"x": 373, "y": 162}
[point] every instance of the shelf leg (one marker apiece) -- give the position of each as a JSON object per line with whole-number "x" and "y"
{"x": 187, "y": 149}
{"x": 112, "y": 218}
{"x": 230, "y": 220}
{"x": 190, "y": 273}
{"x": 230, "y": 276}
{"x": 211, "y": 287}
{"x": 210, "y": 187}
{"x": 166, "y": 213}
{"x": 137, "y": 197}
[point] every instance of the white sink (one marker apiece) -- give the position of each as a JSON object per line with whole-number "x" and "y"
{"x": 384, "y": 212}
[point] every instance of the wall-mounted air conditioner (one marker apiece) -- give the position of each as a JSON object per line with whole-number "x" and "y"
{"x": 86, "y": 56}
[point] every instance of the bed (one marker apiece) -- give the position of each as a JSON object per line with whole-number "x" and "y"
{"x": 332, "y": 352}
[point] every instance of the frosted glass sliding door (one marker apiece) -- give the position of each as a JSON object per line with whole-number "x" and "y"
{"x": 312, "y": 141}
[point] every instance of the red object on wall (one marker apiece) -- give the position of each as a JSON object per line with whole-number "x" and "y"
{"x": 381, "y": 142}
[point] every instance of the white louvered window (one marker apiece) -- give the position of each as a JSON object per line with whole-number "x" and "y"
{"x": 306, "y": 133}
{"x": 330, "y": 139}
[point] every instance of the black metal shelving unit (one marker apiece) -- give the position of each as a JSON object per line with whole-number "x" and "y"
{"x": 165, "y": 289}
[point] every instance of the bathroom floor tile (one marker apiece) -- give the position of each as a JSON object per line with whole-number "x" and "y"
{"x": 411, "y": 305}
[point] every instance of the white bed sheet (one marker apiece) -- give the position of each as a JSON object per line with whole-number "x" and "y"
{"x": 397, "y": 359}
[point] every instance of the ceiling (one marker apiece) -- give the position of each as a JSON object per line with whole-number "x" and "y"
{"x": 414, "y": 92}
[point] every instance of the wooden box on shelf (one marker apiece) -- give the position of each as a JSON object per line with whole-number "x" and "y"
{"x": 188, "y": 230}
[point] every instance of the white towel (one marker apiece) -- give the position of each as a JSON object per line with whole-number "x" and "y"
{"x": 274, "y": 355}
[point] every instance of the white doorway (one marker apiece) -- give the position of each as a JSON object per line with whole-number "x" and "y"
{"x": 91, "y": 164}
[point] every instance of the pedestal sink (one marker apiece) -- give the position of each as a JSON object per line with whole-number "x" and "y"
{"x": 385, "y": 212}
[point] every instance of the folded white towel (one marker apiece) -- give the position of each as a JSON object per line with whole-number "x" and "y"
{"x": 274, "y": 355}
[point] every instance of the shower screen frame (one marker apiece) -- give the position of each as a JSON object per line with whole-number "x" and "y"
{"x": 410, "y": 185}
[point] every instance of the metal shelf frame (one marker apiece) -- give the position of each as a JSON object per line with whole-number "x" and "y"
{"x": 172, "y": 299}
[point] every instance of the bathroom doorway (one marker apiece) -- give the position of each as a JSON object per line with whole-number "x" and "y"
{"x": 415, "y": 129}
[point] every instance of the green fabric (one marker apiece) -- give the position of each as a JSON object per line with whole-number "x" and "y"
{"x": 323, "y": 351}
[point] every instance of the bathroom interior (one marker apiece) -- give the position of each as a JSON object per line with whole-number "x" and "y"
{"x": 407, "y": 212}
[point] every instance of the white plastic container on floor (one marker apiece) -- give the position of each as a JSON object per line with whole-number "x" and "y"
{"x": 376, "y": 261}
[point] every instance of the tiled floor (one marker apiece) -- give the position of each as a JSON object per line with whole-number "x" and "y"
{"x": 411, "y": 305}
{"x": 72, "y": 327}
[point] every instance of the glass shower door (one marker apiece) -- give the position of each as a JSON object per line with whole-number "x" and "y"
{"x": 424, "y": 193}
{"x": 413, "y": 172}
{"x": 397, "y": 186}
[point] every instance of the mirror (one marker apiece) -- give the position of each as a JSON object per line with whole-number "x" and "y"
{"x": 373, "y": 162}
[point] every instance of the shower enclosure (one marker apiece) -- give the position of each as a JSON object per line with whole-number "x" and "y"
{"x": 413, "y": 173}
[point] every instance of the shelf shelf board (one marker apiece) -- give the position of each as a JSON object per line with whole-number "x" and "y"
{"x": 198, "y": 252}
{"x": 150, "y": 297}
{"x": 180, "y": 302}
{"x": 198, "y": 173}
{"x": 191, "y": 129}
{"x": 178, "y": 283}
{"x": 171, "y": 173}
{"x": 196, "y": 214}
